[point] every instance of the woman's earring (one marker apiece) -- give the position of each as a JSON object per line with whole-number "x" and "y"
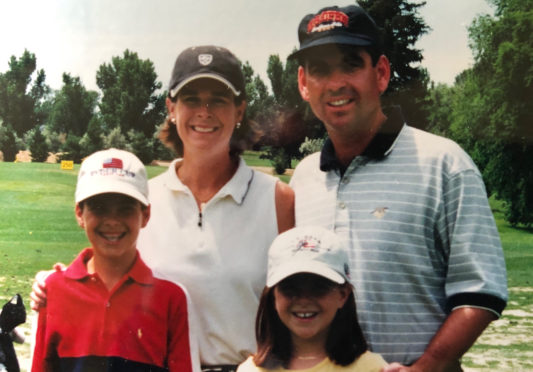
{"x": 238, "y": 125}
{"x": 173, "y": 120}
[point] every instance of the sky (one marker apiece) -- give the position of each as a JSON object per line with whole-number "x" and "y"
{"x": 77, "y": 36}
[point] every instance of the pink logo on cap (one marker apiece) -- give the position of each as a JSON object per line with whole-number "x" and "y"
{"x": 309, "y": 243}
{"x": 327, "y": 20}
{"x": 112, "y": 163}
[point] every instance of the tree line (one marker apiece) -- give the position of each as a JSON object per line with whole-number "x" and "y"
{"x": 487, "y": 109}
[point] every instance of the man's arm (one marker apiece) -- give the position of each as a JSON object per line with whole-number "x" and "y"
{"x": 456, "y": 335}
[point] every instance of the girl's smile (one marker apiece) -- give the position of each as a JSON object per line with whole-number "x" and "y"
{"x": 307, "y": 304}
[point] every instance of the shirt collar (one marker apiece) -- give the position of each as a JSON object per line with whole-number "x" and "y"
{"x": 237, "y": 187}
{"x": 379, "y": 147}
{"x": 139, "y": 272}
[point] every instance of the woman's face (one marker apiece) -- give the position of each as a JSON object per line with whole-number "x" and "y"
{"x": 205, "y": 115}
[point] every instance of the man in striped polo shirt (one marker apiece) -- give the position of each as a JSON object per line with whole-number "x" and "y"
{"x": 426, "y": 258}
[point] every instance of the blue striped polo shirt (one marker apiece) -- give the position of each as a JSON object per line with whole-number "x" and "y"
{"x": 422, "y": 237}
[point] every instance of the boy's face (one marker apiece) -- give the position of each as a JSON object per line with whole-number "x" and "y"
{"x": 112, "y": 223}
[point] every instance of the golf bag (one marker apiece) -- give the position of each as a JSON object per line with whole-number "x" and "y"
{"x": 13, "y": 314}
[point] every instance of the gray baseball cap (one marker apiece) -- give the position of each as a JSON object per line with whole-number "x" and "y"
{"x": 207, "y": 61}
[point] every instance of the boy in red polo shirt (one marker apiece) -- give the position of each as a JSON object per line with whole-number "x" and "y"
{"x": 106, "y": 312}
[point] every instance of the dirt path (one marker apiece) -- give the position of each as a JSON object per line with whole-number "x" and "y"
{"x": 507, "y": 344}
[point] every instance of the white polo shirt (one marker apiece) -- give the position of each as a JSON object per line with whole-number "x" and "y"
{"x": 221, "y": 261}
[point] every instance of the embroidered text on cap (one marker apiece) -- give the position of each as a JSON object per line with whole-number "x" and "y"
{"x": 327, "y": 20}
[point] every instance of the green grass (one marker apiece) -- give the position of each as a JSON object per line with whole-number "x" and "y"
{"x": 253, "y": 159}
{"x": 38, "y": 228}
{"x": 37, "y": 224}
{"x": 518, "y": 247}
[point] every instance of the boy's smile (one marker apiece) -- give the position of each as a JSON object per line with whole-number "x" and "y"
{"x": 112, "y": 223}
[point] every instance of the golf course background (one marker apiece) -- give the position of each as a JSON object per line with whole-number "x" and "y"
{"x": 38, "y": 228}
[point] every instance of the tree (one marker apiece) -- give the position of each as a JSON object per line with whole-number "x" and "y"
{"x": 115, "y": 139}
{"x": 287, "y": 127}
{"x": 73, "y": 107}
{"x": 259, "y": 102}
{"x": 92, "y": 140}
{"x": 72, "y": 149}
{"x": 440, "y": 102}
{"x": 37, "y": 145}
{"x": 401, "y": 28}
{"x": 8, "y": 142}
{"x": 129, "y": 94}
{"x": 492, "y": 112}
{"x": 18, "y": 103}
{"x": 140, "y": 145}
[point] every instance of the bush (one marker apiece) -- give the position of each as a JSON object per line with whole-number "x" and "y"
{"x": 72, "y": 150}
{"x": 114, "y": 139}
{"x": 8, "y": 143}
{"x": 37, "y": 145}
{"x": 278, "y": 157}
{"x": 92, "y": 140}
{"x": 141, "y": 146}
{"x": 311, "y": 145}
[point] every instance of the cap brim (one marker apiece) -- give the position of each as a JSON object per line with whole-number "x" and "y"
{"x": 311, "y": 267}
{"x": 111, "y": 187}
{"x": 174, "y": 91}
{"x": 333, "y": 39}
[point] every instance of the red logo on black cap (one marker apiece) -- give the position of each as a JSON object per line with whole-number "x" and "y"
{"x": 327, "y": 20}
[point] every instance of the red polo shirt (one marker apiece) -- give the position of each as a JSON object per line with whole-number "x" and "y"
{"x": 140, "y": 325}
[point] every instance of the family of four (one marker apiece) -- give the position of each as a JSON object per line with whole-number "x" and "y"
{"x": 184, "y": 267}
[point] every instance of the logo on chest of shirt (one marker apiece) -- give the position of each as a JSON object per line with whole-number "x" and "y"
{"x": 379, "y": 212}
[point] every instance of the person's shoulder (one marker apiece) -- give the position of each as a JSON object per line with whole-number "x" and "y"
{"x": 309, "y": 164}
{"x": 434, "y": 148}
{"x": 171, "y": 290}
{"x": 432, "y": 143}
{"x": 160, "y": 178}
{"x": 312, "y": 160}
{"x": 56, "y": 278}
{"x": 369, "y": 361}
{"x": 249, "y": 366}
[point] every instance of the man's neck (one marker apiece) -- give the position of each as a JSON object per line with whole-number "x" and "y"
{"x": 347, "y": 147}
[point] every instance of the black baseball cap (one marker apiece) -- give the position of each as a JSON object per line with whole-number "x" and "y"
{"x": 207, "y": 61}
{"x": 349, "y": 25}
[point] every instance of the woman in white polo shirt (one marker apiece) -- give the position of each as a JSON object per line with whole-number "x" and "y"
{"x": 213, "y": 217}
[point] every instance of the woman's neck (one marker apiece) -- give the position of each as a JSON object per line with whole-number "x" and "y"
{"x": 206, "y": 176}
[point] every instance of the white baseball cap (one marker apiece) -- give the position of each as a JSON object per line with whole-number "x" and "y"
{"x": 112, "y": 171}
{"x": 308, "y": 249}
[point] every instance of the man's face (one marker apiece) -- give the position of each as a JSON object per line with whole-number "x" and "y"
{"x": 343, "y": 88}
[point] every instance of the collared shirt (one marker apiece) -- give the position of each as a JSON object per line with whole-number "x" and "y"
{"x": 423, "y": 240}
{"x": 140, "y": 325}
{"x": 366, "y": 362}
{"x": 219, "y": 256}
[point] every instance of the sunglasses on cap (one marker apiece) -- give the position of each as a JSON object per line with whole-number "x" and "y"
{"x": 306, "y": 285}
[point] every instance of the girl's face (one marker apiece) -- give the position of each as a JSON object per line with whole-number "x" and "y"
{"x": 205, "y": 115}
{"x": 307, "y": 304}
